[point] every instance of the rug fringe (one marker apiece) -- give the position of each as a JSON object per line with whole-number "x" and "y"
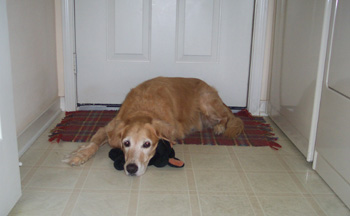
{"x": 274, "y": 145}
{"x": 55, "y": 137}
{"x": 263, "y": 126}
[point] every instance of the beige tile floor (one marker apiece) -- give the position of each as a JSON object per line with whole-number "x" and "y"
{"x": 216, "y": 180}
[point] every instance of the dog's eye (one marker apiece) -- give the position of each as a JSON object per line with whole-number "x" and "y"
{"x": 126, "y": 143}
{"x": 146, "y": 145}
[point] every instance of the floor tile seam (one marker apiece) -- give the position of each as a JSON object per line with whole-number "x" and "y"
{"x": 283, "y": 194}
{"x": 137, "y": 204}
{"x": 324, "y": 194}
{"x": 195, "y": 184}
{"x": 305, "y": 192}
{"x": 48, "y": 189}
{"x": 191, "y": 181}
{"x": 234, "y": 159}
{"x": 183, "y": 192}
{"x": 266, "y": 171}
{"x": 194, "y": 207}
{"x": 36, "y": 166}
{"x": 73, "y": 199}
{"x": 136, "y": 183}
{"x": 268, "y": 196}
{"x": 305, "y": 186}
{"x": 72, "y": 202}
{"x": 300, "y": 196}
{"x": 246, "y": 182}
{"x": 256, "y": 153}
{"x": 61, "y": 167}
{"x": 215, "y": 169}
{"x": 190, "y": 200}
{"x": 284, "y": 153}
{"x": 88, "y": 168}
{"x": 221, "y": 194}
{"x": 260, "y": 208}
{"x": 293, "y": 176}
{"x": 106, "y": 191}
{"x": 29, "y": 174}
{"x": 133, "y": 205}
{"x": 315, "y": 206}
{"x": 328, "y": 195}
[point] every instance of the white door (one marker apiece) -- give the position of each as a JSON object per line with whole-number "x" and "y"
{"x": 120, "y": 43}
{"x": 333, "y": 137}
{"x": 10, "y": 184}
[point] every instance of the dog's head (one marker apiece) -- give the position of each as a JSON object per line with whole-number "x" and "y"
{"x": 138, "y": 138}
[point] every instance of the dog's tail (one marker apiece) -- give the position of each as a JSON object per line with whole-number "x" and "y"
{"x": 234, "y": 125}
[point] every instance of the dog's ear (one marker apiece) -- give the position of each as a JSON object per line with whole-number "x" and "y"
{"x": 163, "y": 130}
{"x": 114, "y": 132}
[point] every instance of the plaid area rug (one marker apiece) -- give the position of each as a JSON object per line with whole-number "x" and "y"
{"x": 80, "y": 126}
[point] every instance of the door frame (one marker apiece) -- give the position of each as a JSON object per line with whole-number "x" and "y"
{"x": 257, "y": 60}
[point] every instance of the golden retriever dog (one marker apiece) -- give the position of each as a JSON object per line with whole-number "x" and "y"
{"x": 160, "y": 108}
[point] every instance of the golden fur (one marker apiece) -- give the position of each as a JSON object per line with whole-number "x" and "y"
{"x": 167, "y": 108}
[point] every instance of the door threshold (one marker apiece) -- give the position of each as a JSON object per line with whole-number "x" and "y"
{"x": 82, "y": 107}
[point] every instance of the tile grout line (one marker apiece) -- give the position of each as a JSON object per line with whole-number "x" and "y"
{"x": 134, "y": 197}
{"x": 305, "y": 193}
{"x": 36, "y": 166}
{"x": 194, "y": 194}
{"x": 254, "y": 201}
{"x": 73, "y": 198}
{"x": 187, "y": 157}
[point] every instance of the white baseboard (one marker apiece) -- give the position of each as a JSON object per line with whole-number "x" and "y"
{"x": 62, "y": 104}
{"x": 37, "y": 127}
{"x": 334, "y": 178}
{"x": 263, "y": 108}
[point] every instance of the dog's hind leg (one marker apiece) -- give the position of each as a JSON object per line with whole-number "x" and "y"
{"x": 219, "y": 115}
{"x": 85, "y": 152}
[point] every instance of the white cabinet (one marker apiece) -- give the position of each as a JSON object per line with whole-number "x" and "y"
{"x": 332, "y": 157}
{"x": 300, "y": 38}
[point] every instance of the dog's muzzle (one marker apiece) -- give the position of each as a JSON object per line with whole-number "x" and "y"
{"x": 131, "y": 168}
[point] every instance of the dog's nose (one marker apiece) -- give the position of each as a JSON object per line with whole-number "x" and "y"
{"x": 131, "y": 168}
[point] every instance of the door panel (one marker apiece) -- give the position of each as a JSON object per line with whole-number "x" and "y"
{"x": 128, "y": 39}
{"x": 121, "y": 43}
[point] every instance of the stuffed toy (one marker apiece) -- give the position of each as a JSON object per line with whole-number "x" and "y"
{"x": 165, "y": 155}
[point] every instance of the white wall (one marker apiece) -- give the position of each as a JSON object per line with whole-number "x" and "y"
{"x": 33, "y": 54}
{"x": 59, "y": 47}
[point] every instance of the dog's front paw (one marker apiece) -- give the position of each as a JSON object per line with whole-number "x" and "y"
{"x": 81, "y": 155}
{"x": 73, "y": 160}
